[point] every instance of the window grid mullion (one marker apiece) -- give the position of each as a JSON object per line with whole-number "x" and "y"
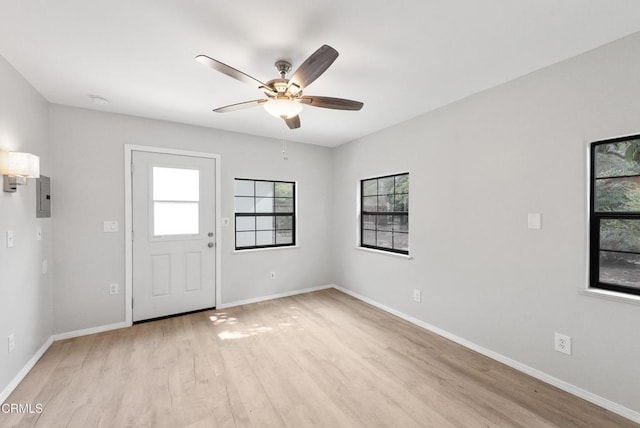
{"x": 613, "y": 177}
{"x": 619, "y": 251}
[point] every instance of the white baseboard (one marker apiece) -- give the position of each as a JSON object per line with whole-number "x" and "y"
{"x": 87, "y": 331}
{"x": 25, "y": 370}
{"x": 274, "y": 296}
{"x": 547, "y": 378}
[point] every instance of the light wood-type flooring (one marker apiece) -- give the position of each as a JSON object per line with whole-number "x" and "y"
{"x": 321, "y": 359}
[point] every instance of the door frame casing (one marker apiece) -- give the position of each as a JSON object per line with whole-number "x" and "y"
{"x": 128, "y": 219}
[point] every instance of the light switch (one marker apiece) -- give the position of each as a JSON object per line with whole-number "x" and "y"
{"x": 225, "y": 221}
{"x": 110, "y": 226}
{"x": 45, "y": 267}
{"x": 535, "y": 221}
{"x": 39, "y": 233}
{"x": 10, "y": 238}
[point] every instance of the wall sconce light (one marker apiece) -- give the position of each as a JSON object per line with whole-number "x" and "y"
{"x": 17, "y": 167}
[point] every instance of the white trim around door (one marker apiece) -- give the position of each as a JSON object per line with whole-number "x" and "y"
{"x": 128, "y": 220}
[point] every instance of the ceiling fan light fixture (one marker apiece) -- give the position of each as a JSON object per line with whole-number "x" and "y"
{"x": 283, "y": 108}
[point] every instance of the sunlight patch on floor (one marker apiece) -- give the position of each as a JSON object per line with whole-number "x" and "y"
{"x": 230, "y": 335}
{"x": 223, "y": 319}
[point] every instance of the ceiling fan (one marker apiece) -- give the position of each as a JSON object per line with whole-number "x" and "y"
{"x": 284, "y": 97}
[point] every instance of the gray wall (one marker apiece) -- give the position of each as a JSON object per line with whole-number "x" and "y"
{"x": 477, "y": 167}
{"x": 89, "y": 175}
{"x": 26, "y": 295}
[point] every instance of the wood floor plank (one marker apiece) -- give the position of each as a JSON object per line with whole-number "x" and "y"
{"x": 322, "y": 359}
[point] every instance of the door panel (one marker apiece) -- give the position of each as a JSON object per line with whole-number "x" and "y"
{"x": 193, "y": 263}
{"x": 160, "y": 275}
{"x": 173, "y": 200}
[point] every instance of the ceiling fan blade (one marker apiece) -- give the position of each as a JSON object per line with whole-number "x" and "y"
{"x": 239, "y": 106}
{"x": 334, "y": 103}
{"x": 314, "y": 66}
{"x": 228, "y": 70}
{"x": 293, "y": 122}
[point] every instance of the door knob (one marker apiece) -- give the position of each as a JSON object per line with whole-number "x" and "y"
{"x": 210, "y": 245}
{"x": 210, "y": 234}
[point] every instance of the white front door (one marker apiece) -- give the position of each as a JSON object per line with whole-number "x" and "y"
{"x": 173, "y": 200}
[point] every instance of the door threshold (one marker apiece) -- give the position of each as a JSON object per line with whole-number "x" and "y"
{"x": 174, "y": 315}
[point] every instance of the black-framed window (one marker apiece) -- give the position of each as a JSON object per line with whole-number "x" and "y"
{"x": 265, "y": 213}
{"x": 614, "y": 248}
{"x": 384, "y": 213}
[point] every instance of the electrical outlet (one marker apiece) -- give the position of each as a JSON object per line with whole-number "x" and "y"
{"x": 272, "y": 275}
{"x": 113, "y": 288}
{"x": 11, "y": 343}
{"x": 562, "y": 343}
{"x": 417, "y": 295}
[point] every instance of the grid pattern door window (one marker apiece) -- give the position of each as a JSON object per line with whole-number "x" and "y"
{"x": 384, "y": 213}
{"x": 615, "y": 215}
{"x": 264, "y": 213}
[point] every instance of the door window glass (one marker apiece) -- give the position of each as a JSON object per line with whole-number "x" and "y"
{"x": 176, "y": 201}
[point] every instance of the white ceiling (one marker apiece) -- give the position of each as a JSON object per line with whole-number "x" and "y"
{"x": 401, "y": 58}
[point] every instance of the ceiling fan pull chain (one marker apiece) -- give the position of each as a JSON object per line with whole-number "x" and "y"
{"x": 284, "y": 146}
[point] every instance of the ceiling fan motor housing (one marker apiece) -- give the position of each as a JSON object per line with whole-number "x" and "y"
{"x": 283, "y": 67}
{"x": 279, "y": 85}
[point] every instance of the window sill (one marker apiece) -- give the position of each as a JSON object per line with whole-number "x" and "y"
{"x": 610, "y": 295}
{"x": 291, "y": 247}
{"x": 385, "y": 253}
